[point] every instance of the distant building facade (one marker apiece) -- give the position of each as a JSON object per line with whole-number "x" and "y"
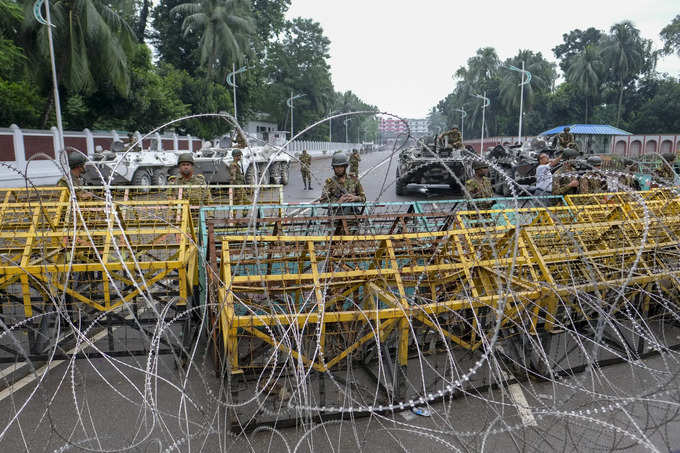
{"x": 391, "y": 127}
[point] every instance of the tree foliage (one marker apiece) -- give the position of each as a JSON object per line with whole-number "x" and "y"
{"x": 671, "y": 37}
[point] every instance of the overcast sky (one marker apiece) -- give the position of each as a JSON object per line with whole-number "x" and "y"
{"x": 401, "y": 55}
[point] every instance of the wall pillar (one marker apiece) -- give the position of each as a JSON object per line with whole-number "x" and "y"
{"x": 18, "y": 140}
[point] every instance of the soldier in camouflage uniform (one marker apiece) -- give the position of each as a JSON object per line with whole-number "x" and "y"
{"x": 241, "y": 194}
{"x": 593, "y": 181}
{"x": 131, "y": 140}
{"x": 453, "y": 137}
{"x": 565, "y": 138}
{"x": 186, "y": 177}
{"x": 342, "y": 188}
{"x": 240, "y": 140}
{"x": 354, "y": 160}
{"x": 480, "y": 185}
{"x": 566, "y": 185}
{"x": 305, "y": 169}
{"x": 664, "y": 173}
{"x": 76, "y": 163}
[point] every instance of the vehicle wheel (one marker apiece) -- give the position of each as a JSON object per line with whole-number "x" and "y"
{"x": 400, "y": 187}
{"x": 275, "y": 173}
{"x": 284, "y": 173}
{"x": 263, "y": 175}
{"x": 159, "y": 177}
{"x": 250, "y": 175}
{"x": 142, "y": 178}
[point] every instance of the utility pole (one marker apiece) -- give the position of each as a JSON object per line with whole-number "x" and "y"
{"x": 231, "y": 81}
{"x": 330, "y": 125}
{"x": 57, "y": 103}
{"x": 484, "y": 106}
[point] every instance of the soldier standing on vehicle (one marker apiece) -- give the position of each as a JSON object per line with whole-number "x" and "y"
{"x": 452, "y": 139}
{"x": 186, "y": 177}
{"x": 76, "y": 163}
{"x": 305, "y": 169}
{"x": 354, "y": 160}
{"x": 342, "y": 188}
{"x": 565, "y": 138}
{"x": 563, "y": 183}
{"x": 237, "y": 177}
{"x": 240, "y": 140}
{"x": 593, "y": 181}
{"x": 480, "y": 185}
{"x": 664, "y": 173}
{"x": 131, "y": 140}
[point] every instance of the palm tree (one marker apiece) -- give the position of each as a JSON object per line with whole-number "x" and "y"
{"x": 585, "y": 72}
{"x": 90, "y": 44}
{"x": 225, "y": 26}
{"x": 624, "y": 51}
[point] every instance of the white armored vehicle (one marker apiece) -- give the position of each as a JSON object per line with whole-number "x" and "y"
{"x": 146, "y": 168}
{"x": 138, "y": 168}
{"x": 214, "y": 161}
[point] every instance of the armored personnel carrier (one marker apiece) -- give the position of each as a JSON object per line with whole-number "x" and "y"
{"x": 146, "y": 168}
{"x": 138, "y": 168}
{"x": 431, "y": 164}
{"x": 214, "y": 161}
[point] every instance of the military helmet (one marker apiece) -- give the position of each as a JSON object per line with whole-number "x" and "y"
{"x": 570, "y": 153}
{"x": 628, "y": 162}
{"x": 339, "y": 159}
{"x": 594, "y": 160}
{"x": 668, "y": 157}
{"x": 236, "y": 152}
{"x": 75, "y": 160}
{"x": 478, "y": 165}
{"x": 186, "y": 157}
{"x": 567, "y": 129}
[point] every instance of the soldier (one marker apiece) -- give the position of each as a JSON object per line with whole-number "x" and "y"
{"x": 354, "y": 160}
{"x": 76, "y": 163}
{"x": 565, "y": 138}
{"x": 305, "y": 169}
{"x": 664, "y": 173}
{"x": 565, "y": 184}
{"x": 593, "y": 181}
{"x": 241, "y": 195}
{"x": 480, "y": 185}
{"x": 342, "y": 188}
{"x": 131, "y": 140}
{"x": 453, "y": 137}
{"x": 186, "y": 177}
{"x": 627, "y": 180}
{"x": 240, "y": 140}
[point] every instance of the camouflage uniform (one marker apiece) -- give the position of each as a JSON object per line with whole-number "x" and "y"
{"x": 561, "y": 182}
{"x": 63, "y": 182}
{"x": 592, "y": 182}
{"x": 196, "y": 196}
{"x": 241, "y": 195}
{"x": 333, "y": 189}
{"x": 665, "y": 173}
{"x": 354, "y": 160}
{"x": 565, "y": 138}
{"x": 305, "y": 166}
{"x": 480, "y": 187}
{"x": 240, "y": 140}
{"x": 455, "y": 139}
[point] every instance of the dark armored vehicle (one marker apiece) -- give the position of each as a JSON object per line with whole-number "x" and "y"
{"x": 431, "y": 163}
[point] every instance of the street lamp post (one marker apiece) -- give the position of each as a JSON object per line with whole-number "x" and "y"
{"x": 330, "y": 125}
{"x": 231, "y": 81}
{"x": 462, "y": 122}
{"x": 346, "y": 135}
{"x": 521, "y": 96}
{"x": 484, "y": 106}
{"x": 290, "y": 104}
